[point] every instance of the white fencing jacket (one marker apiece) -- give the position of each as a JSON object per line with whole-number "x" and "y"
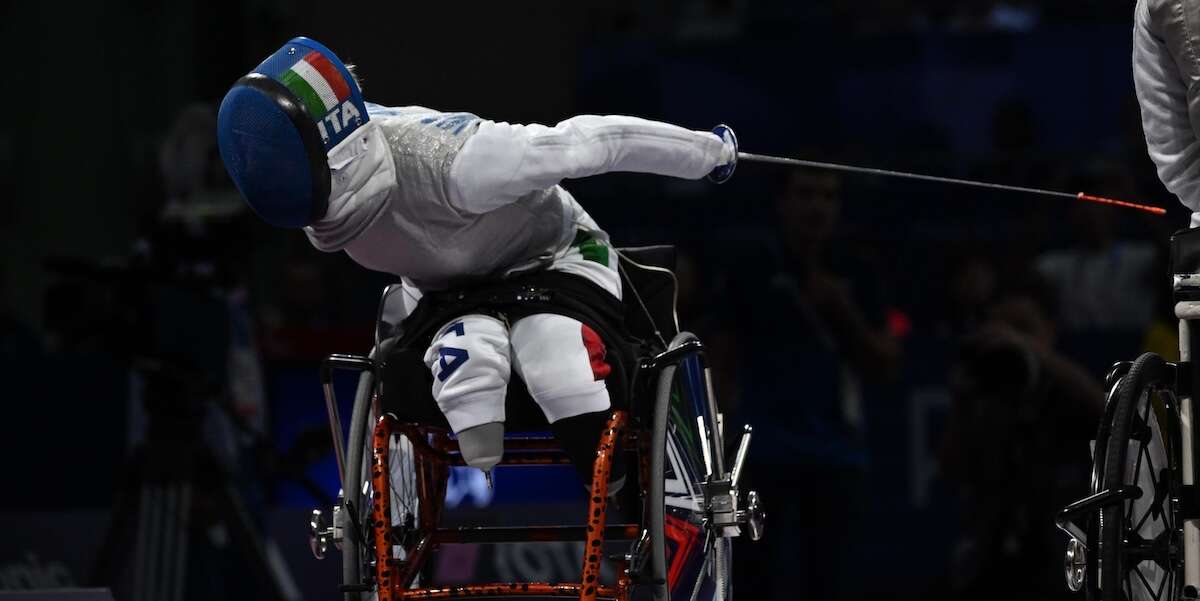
{"x": 1166, "y": 75}
{"x": 442, "y": 199}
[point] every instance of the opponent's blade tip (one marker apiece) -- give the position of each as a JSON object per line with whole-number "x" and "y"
{"x": 1122, "y": 203}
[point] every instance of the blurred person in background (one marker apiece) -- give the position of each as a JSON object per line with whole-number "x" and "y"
{"x": 1020, "y": 420}
{"x": 1104, "y": 279}
{"x": 200, "y": 241}
{"x": 704, "y": 306}
{"x": 812, "y": 340}
{"x": 1012, "y": 16}
{"x": 187, "y": 324}
{"x": 972, "y": 283}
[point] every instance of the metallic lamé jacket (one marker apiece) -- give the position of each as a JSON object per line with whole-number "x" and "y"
{"x": 1166, "y": 75}
{"x": 391, "y": 210}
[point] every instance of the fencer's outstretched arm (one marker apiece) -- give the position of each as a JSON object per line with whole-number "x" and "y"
{"x": 502, "y": 162}
{"x": 1171, "y": 136}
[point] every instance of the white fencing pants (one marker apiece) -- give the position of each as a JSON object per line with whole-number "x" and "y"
{"x": 561, "y": 360}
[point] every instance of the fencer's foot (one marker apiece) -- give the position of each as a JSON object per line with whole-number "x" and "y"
{"x": 579, "y": 436}
{"x": 482, "y": 446}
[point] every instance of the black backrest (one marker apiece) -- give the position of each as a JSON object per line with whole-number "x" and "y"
{"x": 1185, "y": 260}
{"x": 1185, "y": 251}
{"x": 648, "y": 279}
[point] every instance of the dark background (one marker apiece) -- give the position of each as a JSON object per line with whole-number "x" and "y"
{"x": 109, "y": 253}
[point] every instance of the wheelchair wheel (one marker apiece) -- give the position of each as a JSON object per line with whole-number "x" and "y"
{"x": 1140, "y": 538}
{"x": 358, "y": 548}
{"x": 1081, "y": 573}
{"x": 688, "y": 559}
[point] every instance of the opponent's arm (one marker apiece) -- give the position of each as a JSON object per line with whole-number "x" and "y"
{"x": 1171, "y": 138}
{"x": 502, "y": 162}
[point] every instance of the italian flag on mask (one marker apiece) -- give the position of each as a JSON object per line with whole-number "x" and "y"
{"x": 317, "y": 83}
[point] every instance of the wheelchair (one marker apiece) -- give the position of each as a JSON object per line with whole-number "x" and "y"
{"x": 396, "y": 460}
{"x": 1137, "y": 535}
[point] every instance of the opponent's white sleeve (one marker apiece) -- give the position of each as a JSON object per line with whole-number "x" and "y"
{"x": 502, "y": 162}
{"x": 1170, "y": 137}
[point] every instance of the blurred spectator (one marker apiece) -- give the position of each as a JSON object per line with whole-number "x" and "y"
{"x": 811, "y": 344}
{"x": 1016, "y": 448}
{"x": 198, "y": 376}
{"x": 303, "y": 299}
{"x": 1015, "y": 16}
{"x": 710, "y": 19}
{"x": 318, "y": 303}
{"x": 884, "y": 17}
{"x": 971, "y": 283}
{"x": 201, "y": 241}
{"x": 188, "y": 160}
{"x": 1102, "y": 280}
{"x": 704, "y": 309}
{"x": 969, "y": 17}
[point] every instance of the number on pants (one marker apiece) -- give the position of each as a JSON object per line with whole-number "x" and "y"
{"x": 457, "y": 356}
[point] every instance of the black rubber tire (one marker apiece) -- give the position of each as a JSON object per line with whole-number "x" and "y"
{"x": 360, "y": 425}
{"x": 1105, "y": 427}
{"x": 1149, "y": 371}
{"x": 656, "y": 503}
{"x": 1099, "y": 453}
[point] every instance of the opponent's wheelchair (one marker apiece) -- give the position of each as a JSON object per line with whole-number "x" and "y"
{"x": 1137, "y": 536}
{"x": 395, "y": 467}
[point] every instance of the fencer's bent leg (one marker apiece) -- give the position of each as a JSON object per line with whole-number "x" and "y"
{"x": 563, "y": 364}
{"x": 469, "y": 359}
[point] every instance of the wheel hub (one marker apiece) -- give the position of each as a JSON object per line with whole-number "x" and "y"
{"x": 1075, "y": 565}
{"x": 320, "y": 533}
{"x": 755, "y": 516}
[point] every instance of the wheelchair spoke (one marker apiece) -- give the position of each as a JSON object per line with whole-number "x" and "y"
{"x": 1150, "y": 510}
{"x": 1162, "y": 587}
{"x": 1142, "y": 522}
{"x": 1156, "y": 505}
{"x": 1161, "y": 494}
{"x": 1145, "y": 583}
{"x": 402, "y": 482}
{"x": 1150, "y": 462}
{"x": 708, "y": 553}
{"x": 1137, "y": 466}
{"x": 1140, "y": 431}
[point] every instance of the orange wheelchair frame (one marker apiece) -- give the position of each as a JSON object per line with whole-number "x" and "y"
{"x": 688, "y": 494}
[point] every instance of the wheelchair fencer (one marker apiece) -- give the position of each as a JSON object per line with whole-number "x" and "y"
{"x": 677, "y": 518}
{"x": 1136, "y": 537}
